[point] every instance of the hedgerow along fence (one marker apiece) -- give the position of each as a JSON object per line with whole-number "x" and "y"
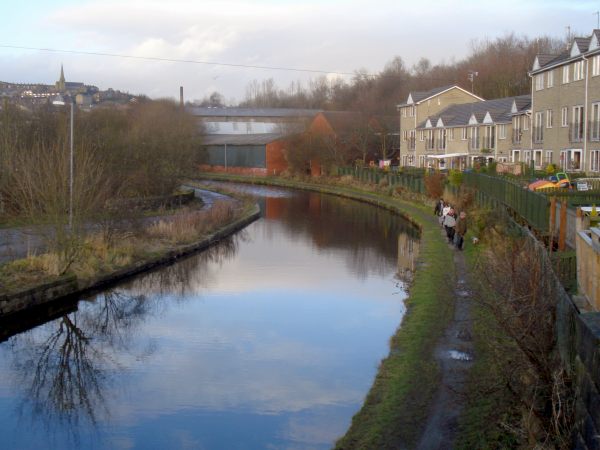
{"x": 412, "y": 181}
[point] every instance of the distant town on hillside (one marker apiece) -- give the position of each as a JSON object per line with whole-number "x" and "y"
{"x": 32, "y": 95}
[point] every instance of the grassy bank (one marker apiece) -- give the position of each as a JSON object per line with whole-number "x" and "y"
{"x": 103, "y": 252}
{"x": 397, "y": 405}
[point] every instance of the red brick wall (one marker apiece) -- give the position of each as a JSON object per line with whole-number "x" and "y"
{"x": 276, "y": 162}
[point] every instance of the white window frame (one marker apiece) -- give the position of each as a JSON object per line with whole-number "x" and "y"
{"x": 404, "y": 112}
{"x": 516, "y": 156}
{"x": 549, "y": 118}
{"x": 526, "y": 123}
{"x": 451, "y": 134}
{"x": 539, "y": 82}
{"x": 548, "y": 157}
{"x": 565, "y": 74}
{"x": 526, "y": 156}
{"x": 596, "y": 65}
{"x": 564, "y": 116}
{"x": 550, "y": 79}
{"x": 578, "y": 70}
{"x": 422, "y": 160}
{"x": 594, "y": 122}
{"x": 464, "y": 134}
{"x": 595, "y": 161}
{"x": 502, "y": 131}
{"x": 538, "y": 158}
{"x": 421, "y": 135}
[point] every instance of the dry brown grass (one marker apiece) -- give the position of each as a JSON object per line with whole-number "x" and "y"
{"x": 98, "y": 254}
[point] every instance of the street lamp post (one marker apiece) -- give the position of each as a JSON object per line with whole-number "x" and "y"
{"x": 62, "y": 103}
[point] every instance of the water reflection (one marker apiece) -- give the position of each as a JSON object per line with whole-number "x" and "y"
{"x": 65, "y": 367}
{"x": 275, "y": 333}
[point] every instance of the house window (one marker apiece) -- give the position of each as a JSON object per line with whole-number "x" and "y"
{"x": 502, "y": 131}
{"x": 576, "y": 128}
{"x": 549, "y": 118}
{"x": 423, "y": 161}
{"x": 550, "y": 79}
{"x": 539, "y": 82}
{"x": 527, "y": 156}
{"x": 516, "y": 155}
{"x": 565, "y": 74}
{"x": 474, "y": 138}
{"x": 538, "y": 128}
{"x": 404, "y": 135}
{"x": 489, "y": 137}
{"x": 564, "y": 116}
{"x": 596, "y": 66}
{"x": 526, "y": 123}
{"x": 451, "y": 134}
{"x": 464, "y": 133}
{"x": 595, "y": 160}
{"x": 442, "y": 139}
{"x": 595, "y": 122}
{"x": 548, "y": 157}
{"x": 411, "y": 111}
{"x": 537, "y": 157}
{"x": 403, "y": 112}
{"x": 570, "y": 159}
{"x": 578, "y": 71}
{"x": 421, "y": 135}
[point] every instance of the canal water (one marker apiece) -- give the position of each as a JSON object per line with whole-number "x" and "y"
{"x": 269, "y": 340}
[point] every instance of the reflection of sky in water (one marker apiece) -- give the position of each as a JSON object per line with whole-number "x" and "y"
{"x": 274, "y": 347}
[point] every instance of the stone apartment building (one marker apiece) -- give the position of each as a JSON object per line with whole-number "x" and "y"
{"x": 461, "y": 134}
{"x": 418, "y": 107}
{"x": 566, "y": 108}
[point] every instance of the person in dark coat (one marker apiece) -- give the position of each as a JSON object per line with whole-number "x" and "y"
{"x": 461, "y": 230}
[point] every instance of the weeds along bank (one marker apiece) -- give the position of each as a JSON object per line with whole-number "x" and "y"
{"x": 99, "y": 257}
{"x": 396, "y": 408}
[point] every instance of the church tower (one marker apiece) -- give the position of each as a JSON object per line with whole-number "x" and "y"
{"x": 60, "y": 84}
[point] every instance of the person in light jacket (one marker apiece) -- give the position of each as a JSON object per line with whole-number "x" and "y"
{"x": 449, "y": 224}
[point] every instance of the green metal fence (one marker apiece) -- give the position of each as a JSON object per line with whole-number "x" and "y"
{"x": 493, "y": 191}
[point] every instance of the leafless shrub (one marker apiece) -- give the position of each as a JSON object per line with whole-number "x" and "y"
{"x": 520, "y": 291}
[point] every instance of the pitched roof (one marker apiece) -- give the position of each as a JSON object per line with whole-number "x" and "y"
{"x": 499, "y": 111}
{"x": 577, "y": 47}
{"x": 417, "y": 97}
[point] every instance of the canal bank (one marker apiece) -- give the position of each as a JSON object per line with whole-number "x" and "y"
{"x": 407, "y": 390}
{"x": 63, "y": 287}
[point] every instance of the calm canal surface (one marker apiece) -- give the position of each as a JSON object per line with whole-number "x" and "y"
{"x": 269, "y": 340}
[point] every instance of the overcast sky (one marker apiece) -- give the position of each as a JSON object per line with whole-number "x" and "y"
{"x": 326, "y": 35}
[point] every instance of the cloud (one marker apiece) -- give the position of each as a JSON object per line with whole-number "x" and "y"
{"x": 334, "y": 36}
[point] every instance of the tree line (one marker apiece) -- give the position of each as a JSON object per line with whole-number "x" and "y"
{"x": 502, "y": 66}
{"x": 133, "y": 152}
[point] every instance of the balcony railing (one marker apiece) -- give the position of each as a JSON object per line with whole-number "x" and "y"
{"x": 576, "y": 132}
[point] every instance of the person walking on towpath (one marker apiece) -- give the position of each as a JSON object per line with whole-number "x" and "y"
{"x": 449, "y": 224}
{"x": 461, "y": 230}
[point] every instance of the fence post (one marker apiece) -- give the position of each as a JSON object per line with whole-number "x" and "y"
{"x": 563, "y": 226}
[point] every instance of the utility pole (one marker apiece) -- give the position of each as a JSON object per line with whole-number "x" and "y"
{"x": 471, "y": 77}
